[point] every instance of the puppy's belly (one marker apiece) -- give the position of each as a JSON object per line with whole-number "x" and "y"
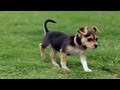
{"x": 72, "y": 50}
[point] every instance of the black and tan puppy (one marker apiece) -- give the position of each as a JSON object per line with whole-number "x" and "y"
{"x": 69, "y": 45}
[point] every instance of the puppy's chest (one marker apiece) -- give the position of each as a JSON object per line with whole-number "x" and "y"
{"x": 72, "y": 50}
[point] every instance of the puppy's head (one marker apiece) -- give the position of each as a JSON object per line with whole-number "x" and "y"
{"x": 89, "y": 36}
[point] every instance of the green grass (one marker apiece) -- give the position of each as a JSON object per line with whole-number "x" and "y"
{"x": 21, "y": 32}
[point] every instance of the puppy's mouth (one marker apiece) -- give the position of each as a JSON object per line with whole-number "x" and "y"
{"x": 93, "y": 47}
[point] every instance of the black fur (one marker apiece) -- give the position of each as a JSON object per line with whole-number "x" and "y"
{"x": 90, "y": 32}
{"x": 58, "y": 40}
{"x": 45, "y": 25}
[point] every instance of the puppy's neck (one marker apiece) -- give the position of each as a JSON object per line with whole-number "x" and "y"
{"x": 77, "y": 42}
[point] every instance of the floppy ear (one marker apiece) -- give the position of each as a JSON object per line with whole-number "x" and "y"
{"x": 83, "y": 30}
{"x": 95, "y": 29}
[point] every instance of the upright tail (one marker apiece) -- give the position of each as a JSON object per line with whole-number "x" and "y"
{"x": 45, "y": 25}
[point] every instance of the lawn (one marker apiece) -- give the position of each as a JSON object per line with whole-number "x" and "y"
{"x": 22, "y": 31}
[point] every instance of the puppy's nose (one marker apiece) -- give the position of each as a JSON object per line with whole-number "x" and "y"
{"x": 95, "y": 45}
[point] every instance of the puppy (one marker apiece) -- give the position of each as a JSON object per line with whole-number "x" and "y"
{"x": 69, "y": 45}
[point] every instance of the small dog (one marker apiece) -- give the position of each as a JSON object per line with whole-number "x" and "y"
{"x": 69, "y": 45}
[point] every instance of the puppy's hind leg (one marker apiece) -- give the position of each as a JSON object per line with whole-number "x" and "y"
{"x": 53, "y": 57}
{"x": 43, "y": 46}
{"x": 42, "y": 50}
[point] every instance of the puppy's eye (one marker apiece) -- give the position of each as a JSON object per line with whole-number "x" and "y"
{"x": 89, "y": 39}
{"x": 96, "y": 39}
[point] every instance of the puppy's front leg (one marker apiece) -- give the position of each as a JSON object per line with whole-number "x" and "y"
{"x": 63, "y": 57}
{"x": 84, "y": 62}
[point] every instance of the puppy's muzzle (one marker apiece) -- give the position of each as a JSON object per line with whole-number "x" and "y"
{"x": 95, "y": 45}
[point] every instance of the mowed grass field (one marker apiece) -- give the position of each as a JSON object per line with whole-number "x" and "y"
{"x": 21, "y": 32}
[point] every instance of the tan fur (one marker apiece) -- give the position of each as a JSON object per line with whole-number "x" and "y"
{"x": 42, "y": 51}
{"x": 85, "y": 31}
{"x": 53, "y": 55}
{"x": 72, "y": 50}
{"x": 96, "y": 29}
{"x": 90, "y": 44}
{"x": 84, "y": 39}
{"x": 91, "y": 36}
{"x": 85, "y": 35}
{"x": 63, "y": 57}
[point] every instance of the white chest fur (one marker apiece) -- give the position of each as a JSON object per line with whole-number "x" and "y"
{"x": 72, "y": 50}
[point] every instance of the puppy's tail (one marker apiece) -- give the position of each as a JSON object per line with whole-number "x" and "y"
{"x": 45, "y": 25}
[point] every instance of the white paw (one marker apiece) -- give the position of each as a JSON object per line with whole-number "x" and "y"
{"x": 57, "y": 65}
{"x": 66, "y": 68}
{"x": 88, "y": 70}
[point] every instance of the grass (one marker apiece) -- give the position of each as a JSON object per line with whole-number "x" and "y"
{"x": 21, "y": 32}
